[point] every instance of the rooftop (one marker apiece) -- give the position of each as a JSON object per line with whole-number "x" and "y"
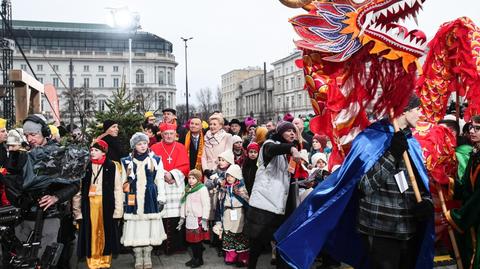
{"x": 85, "y": 36}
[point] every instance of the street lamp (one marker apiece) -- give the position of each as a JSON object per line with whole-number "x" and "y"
{"x": 123, "y": 18}
{"x": 186, "y": 75}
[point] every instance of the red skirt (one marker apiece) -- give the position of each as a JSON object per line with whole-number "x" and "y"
{"x": 197, "y": 235}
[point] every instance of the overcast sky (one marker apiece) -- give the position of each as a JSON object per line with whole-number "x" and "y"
{"x": 226, "y": 34}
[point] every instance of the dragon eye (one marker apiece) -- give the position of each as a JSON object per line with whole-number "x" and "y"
{"x": 358, "y": 1}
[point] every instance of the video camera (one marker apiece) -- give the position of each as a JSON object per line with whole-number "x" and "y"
{"x": 25, "y": 254}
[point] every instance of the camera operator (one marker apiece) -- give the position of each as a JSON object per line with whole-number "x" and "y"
{"x": 52, "y": 197}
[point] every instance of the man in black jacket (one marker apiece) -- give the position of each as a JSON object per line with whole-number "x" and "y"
{"x": 52, "y": 198}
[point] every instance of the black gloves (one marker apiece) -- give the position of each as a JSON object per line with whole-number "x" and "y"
{"x": 423, "y": 210}
{"x": 208, "y": 173}
{"x": 399, "y": 145}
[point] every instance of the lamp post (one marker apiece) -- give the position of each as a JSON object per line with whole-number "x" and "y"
{"x": 186, "y": 75}
{"x": 123, "y": 18}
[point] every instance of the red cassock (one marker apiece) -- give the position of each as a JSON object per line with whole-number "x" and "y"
{"x": 174, "y": 156}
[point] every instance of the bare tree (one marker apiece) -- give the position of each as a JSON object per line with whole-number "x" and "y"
{"x": 83, "y": 102}
{"x": 219, "y": 99}
{"x": 206, "y": 102}
{"x": 145, "y": 99}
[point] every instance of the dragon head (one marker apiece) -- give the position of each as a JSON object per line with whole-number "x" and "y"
{"x": 341, "y": 28}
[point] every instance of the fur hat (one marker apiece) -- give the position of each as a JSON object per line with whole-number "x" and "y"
{"x": 196, "y": 173}
{"x": 253, "y": 146}
{"x": 107, "y": 124}
{"x": 101, "y": 145}
{"x": 304, "y": 155}
{"x": 235, "y": 171}
{"x": 322, "y": 139}
{"x": 236, "y": 139}
{"x": 319, "y": 156}
{"x": 15, "y": 137}
{"x": 227, "y": 156}
{"x": 216, "y": 116}
{"x": 138, "y": 137}
{"x": 285, "y": 126}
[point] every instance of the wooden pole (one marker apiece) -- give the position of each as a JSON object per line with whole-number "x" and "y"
{"x": 408, "y": 164}
{"x": 450, "y": 230}
{"x": 474, "y": 244}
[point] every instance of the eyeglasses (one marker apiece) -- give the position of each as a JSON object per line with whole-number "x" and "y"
{"x": 474, "y": 127}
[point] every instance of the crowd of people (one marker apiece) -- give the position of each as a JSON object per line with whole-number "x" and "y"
{"x": 228, "y": 184}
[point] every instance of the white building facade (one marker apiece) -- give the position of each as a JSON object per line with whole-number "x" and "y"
{"x": 289, "y": 95}
{"x": 231, "y": 92}
{"x": 254, "y": 100}
{"x": 100, "y": 59}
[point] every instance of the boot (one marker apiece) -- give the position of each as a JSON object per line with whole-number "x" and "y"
{"x": 138, "y": 257}
{"x": 147, "y": 257}
{"x": 197, "y": 260}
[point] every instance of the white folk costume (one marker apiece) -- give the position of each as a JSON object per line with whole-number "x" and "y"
{"x": 175, "y": 161}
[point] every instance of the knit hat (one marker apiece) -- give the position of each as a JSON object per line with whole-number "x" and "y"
{"x": 236, "y": 139}
{"x": 33, "y": 127}
{"x": 227, "y": 156}
{"x": 249, "y": 121}
{"x": 322, "y": 139}
{"x": 234, "y": 121}
{"x": 288, "y": 117}
{"x": 3, "y": 123}
{"x": 285, "y": 126}
{"x": 413, "y": 102}
{"x": 15, "y": 137}
{"x": 253, "y": 146}
{"x": 261, "y": 134}
{"x": 304, "y": 155}
{"x": 235, "y": 171}
{"x": 318, "y": 156}
{"x": 138, "y": 137}
{"x": 204, "y": 124}
{"x": 101, "y": 145}
{"x": 196, "y": 173}
{"x": 107, "y": 124}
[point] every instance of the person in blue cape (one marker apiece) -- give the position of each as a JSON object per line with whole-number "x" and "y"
{"x": 360, "y": 215}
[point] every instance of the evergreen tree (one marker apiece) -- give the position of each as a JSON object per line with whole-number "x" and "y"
{"x": 122, "y": 110}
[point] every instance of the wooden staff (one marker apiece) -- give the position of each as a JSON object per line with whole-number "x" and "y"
{"x": 450, "y": 230}
{"x": 474, "y": 243}
{"x": 411, "y": 175}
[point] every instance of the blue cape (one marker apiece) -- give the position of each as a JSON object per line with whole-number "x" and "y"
{"x": 327, "y": 218}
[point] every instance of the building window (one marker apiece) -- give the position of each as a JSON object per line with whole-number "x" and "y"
{"x": 39, "y": 67}
{"x": 286, "y": 84}
{"x": 101, "y": 105}
{"x": 86, "y": 105}
{"x": 140, "y": 77}
{"x": 100, "y": 68}
{"x": 86, "y": 68}
{"x": 161, "y": 78}
{"x": 86, "y": 82}
{"x": 101, "y": 82}
{"x": 300, "y": 99}
{"x": 169, "y": 78}
{"x": 279, "y": 100}
{"x": 23, "y": 67}
{"x": 115, "y": 68}
{"x": 292, "y": 82}
{"x": 55, "y": 67}
{"x": 115, "y": 82}
{"x": 288, "y": 101}
{"x": 55, "y": 82}
{"x": 299, "y": 81}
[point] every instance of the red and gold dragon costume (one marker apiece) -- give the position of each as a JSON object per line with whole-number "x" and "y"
{"x": 359, "y": 63}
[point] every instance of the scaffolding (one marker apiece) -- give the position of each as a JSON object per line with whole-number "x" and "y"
{"x": 7, "y": 46}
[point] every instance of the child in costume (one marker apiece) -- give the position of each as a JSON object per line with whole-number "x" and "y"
{"x": 194, "y": 211}
{"x": 250, "y": 167}
{"x": 100, "y": 204}
{"x": 144, "y": 198}
{"x": 233, "y": 200}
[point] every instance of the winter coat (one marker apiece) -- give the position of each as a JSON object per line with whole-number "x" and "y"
{"x": 214, "y": 146}
{"x": 232, "y": 198}
{"x": 109, "y": 172}
{"x": 249, "y": 170}
{"x": 197, "y": 205}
